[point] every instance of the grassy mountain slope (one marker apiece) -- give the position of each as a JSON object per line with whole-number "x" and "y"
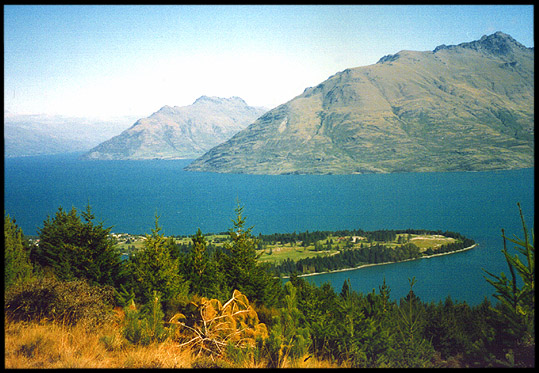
{"x": 465, "y": 107}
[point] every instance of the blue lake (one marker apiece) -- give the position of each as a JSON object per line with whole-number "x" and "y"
{"x": 127, "y": 194}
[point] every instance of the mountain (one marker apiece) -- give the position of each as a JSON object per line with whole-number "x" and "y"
{"x": 467, "y": 107}
{"x": 40, "y": 134}
{"x": 180, "y": 132}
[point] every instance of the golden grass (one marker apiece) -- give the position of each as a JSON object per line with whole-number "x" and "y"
{"x": 52, "y": 345}
{"x": 49, "y": 345}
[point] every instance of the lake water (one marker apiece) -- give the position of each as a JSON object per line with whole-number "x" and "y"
{"x": 127, "y": 194}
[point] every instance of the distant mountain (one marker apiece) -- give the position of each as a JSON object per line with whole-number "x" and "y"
{"x": 26, "y": 135}
{"x": 180, "y": 132}
{"x": 466, "y": 107}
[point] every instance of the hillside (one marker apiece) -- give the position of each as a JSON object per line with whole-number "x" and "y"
{"x": 468, "y": 107}
{"x": 180, "y": 132}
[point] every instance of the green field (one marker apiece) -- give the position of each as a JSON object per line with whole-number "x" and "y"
{"x": 277, "y": 252}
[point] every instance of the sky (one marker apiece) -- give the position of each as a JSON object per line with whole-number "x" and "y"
{"x": 109, "y": 61}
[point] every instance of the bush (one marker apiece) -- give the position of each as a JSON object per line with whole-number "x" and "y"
{"x": 68, "y": 302}
{"x": 145, "y": 326}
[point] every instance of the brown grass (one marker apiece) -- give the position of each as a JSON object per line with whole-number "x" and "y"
{"x": 52, "y": 345}
{"x": 48, "y": 345}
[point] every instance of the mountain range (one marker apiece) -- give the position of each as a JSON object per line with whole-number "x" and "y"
{"x": 465, "y": 107}
{"x": 42, "y": 134}
{"x": 180, "y": 132}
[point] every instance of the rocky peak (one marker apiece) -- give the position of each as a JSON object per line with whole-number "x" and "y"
{"x": 498, "y": 44}
{"x": 389, "y": 58}
{"x": 219, "y": 100}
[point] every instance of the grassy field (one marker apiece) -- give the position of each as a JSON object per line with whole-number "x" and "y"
{"x": 433, "y": 241}
{"x": 294, "y": 253}
{"x": 51, "y": 345}
{"x": 277, "y": 252}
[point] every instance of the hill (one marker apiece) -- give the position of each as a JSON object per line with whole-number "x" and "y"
{"x": 180, "y": 132}
{"x": 467, "y": 107}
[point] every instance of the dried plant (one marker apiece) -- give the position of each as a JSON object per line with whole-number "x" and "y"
{"x": 219, "y": 325}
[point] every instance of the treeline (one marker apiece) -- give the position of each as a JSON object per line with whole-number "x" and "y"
{"x": 76, "y": 272}
{"x": 310, "y": 238}
{"x": 347, "y": 258}
{"x": 366, "y": 254}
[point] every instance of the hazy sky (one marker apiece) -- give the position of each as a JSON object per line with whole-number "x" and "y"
{"x": 132, "y": 60}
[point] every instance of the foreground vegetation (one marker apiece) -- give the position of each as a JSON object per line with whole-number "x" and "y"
{"x": 71, "y": 301}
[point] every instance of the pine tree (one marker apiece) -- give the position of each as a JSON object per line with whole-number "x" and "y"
{"x": 241, "y": 268}
{"x": 16, "y": 256}
{"x": 73, "y": 249}
{"x": 205, "y": 278}
{"x": 517, "y": 302}
{"x": 153, "y": 270}
{"x": 416, "y": 352}
{"x": 241, "y": 262}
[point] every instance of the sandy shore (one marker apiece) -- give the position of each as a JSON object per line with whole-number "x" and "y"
{"x": 379, "y": 264}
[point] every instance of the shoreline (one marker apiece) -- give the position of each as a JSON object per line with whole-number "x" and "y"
{"x": 378, "y": 264}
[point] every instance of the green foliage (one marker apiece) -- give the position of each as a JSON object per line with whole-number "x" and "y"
{"x": 297, "y": 320}
{"x": 205, "y": 276}
{"x": 63, "y": 301}
{"x": 145, "y": 326}
{"x": 348, "y": 328}
{"x": 289, "y": 337}
{"x": 414, "y": 350}
{"x": 241, "y": 268}
{"x": 152, "y": 269}
{"x": 78, "y": 249}
{"x": 517, "y": 303}
{"x": 17, "y": 266}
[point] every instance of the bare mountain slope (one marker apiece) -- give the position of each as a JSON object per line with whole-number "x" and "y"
{"x": 464, "y": 107}
{"x": 180, "y": 132}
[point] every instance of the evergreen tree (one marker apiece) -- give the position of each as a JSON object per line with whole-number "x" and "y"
{"x": 73, "y": 249}
{"x": 516, "y": 310}
{"x": 205, "y": 278}
{"x": 153, "y": 270}
{"x": 415, "y": 351}
{"x": 241, "y": 268}
{"x": 16, "y": 256}
{"x": 289, "y": 337}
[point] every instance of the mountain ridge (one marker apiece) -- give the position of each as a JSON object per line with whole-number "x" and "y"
{"x": 175, "y": 132}
{"x": 457, "y": 108}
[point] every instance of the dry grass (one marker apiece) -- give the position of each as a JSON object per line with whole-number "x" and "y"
{"x": 430, "y": 241}
{"x": 34, "y": 345}
{"x": 52, "y": 345}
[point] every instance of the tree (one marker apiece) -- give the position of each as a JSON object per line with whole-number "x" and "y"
{"x": 517, "y": 304}
{"x": 414, "y": 350}
{"x": 16, "y": 256}
{"x": 240, "y": 264}
{"x": 289, "y": 337}
{"x": 73, "y": 249}
{"x": 205, "y": 278}
{"x": 153, "y": 270}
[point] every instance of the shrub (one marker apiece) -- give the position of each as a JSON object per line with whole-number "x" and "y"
{"x": 146, "y": 325}
{"x": 69, "y": 302}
